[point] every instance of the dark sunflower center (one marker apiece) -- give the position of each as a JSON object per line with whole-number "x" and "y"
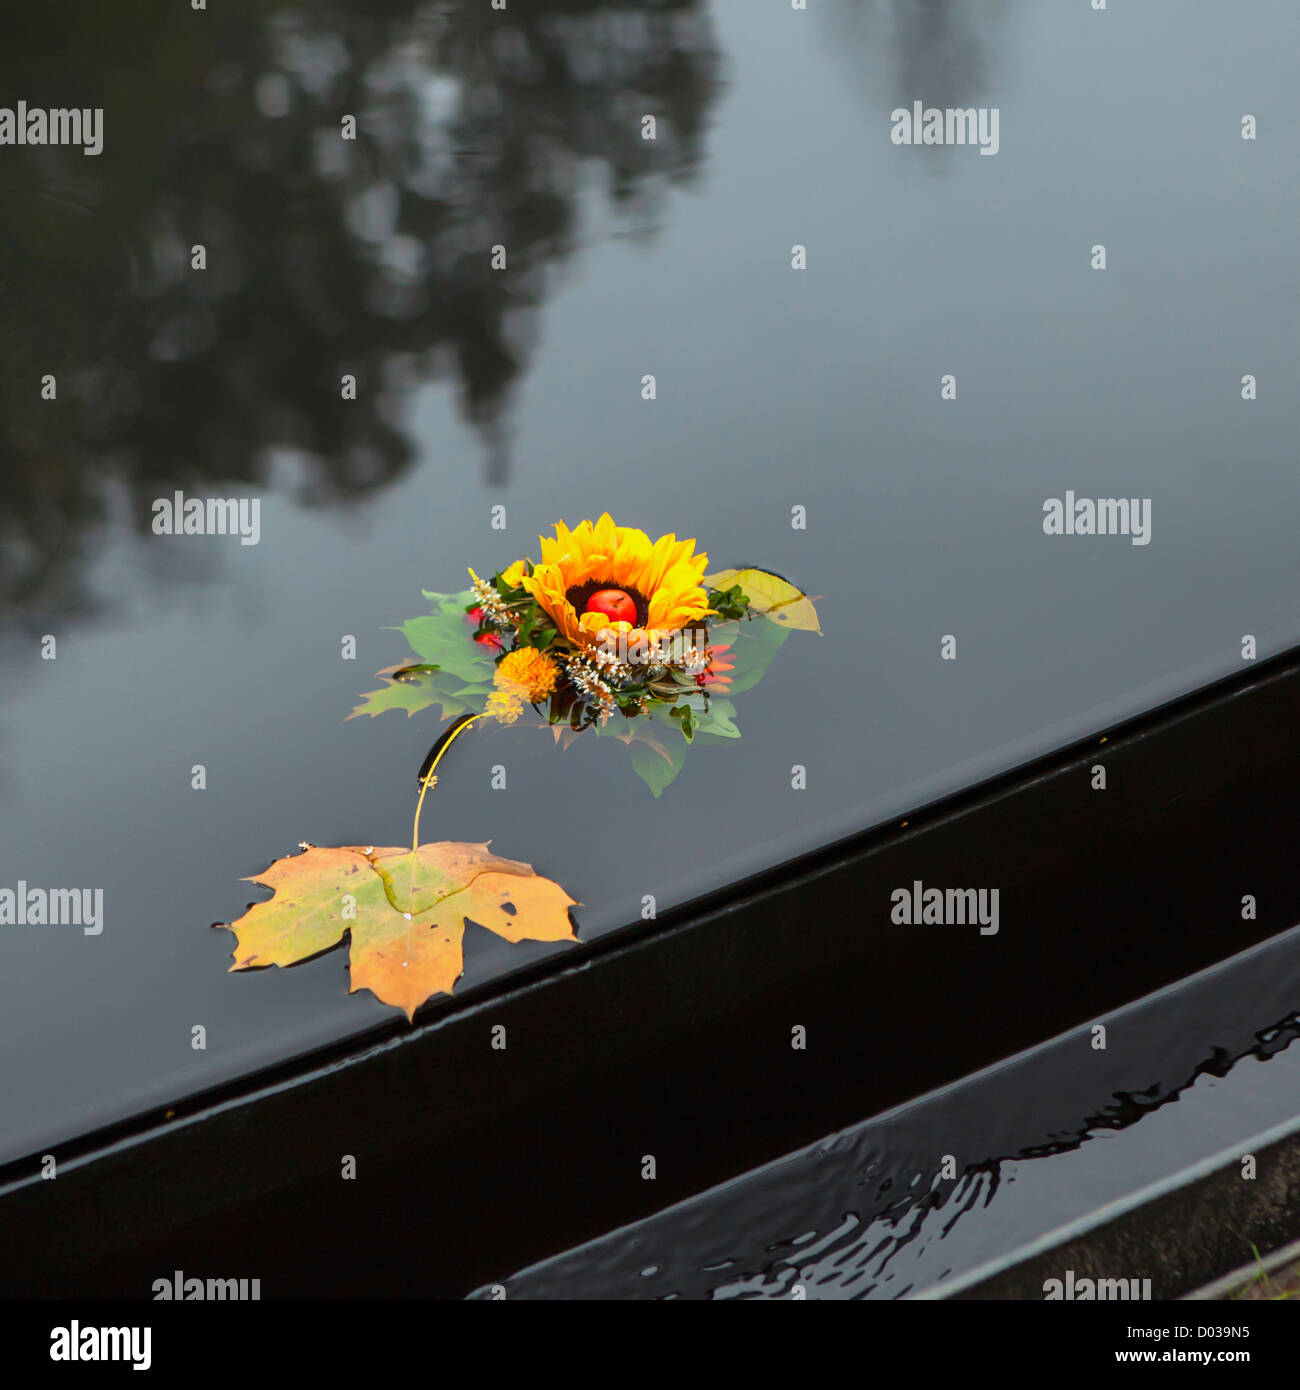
{"x": 580, "y": 593}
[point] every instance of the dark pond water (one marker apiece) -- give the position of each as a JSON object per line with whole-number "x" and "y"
{"x": 776, "y": 389}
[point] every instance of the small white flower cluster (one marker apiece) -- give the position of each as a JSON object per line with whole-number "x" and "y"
{"x": 605, "y": 661}
{"x": 487, "y": 598}
{"x": 585, "y": 676}
{"x": 697, "y": 660}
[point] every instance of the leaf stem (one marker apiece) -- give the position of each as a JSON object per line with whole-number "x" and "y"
{"x": 430, "y": 780}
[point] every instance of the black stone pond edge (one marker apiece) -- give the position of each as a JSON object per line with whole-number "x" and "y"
{"x": 674, "y": 1038}
{"x": 787, "y": 1223}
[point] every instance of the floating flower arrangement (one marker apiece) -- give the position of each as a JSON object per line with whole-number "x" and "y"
{"x": 609, "y": 631}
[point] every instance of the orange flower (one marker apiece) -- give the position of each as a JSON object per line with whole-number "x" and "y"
{"x": 712, "y": 675}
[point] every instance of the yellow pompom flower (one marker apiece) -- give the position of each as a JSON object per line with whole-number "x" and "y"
{"x": 528, "y": 673}
{"x": 525, "y": 674}
{"x": 504, "y": 707}
{"x": 661, "y": 578}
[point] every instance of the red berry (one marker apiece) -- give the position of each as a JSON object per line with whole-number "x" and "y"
{"x": 616, "y": 605}
{"x": 486, "y": 639}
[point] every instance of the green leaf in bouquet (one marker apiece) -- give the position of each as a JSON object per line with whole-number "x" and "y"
{"x": 417, "y": 687}
{"x": 657, "y": 766}
{"x": 770, "y": 596}
{"x": 717, "y": 720}
{"x": 445, "y": 639}
{"x": 752, "y": 646}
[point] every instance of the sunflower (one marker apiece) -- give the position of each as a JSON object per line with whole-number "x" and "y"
{"x": 597, "y": 569}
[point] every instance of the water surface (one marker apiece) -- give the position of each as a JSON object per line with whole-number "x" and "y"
{"x": 777, "y": 389}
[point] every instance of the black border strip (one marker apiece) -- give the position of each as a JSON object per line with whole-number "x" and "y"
{"x": 673, "y": 1038}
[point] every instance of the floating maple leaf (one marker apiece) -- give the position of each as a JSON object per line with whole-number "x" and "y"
{"x": 405, "y": 910}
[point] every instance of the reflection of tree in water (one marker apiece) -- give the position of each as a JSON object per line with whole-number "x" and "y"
{"x": 943, "y": 51}
{"x": 936, "y": 51}
{"x": 325, "y": 257}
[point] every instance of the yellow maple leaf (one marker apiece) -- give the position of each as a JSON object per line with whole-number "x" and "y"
{"x": 404, "y": 910}
{"x": 770, "y": 596}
